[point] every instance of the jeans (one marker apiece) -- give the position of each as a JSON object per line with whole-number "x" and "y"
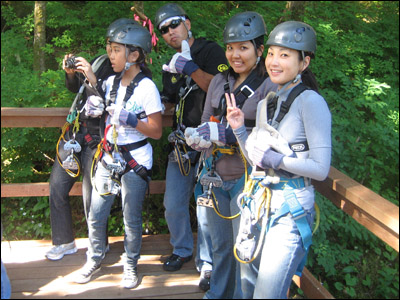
{"x": 224, "y": 276}
{"x": 203, "y": 258}
{"x": 178, "y": 192}
{"x": 133, "y": 192}
{"x": 5, "y": 283}
{"x": 60, "y": 186}
{"x": 270, "y": 275}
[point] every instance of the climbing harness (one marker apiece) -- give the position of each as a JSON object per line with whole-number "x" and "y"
{"x": 209, "y": 179}
{"x": 117, "y": 159}
{"x": 254, "y": 204}
{"x": 245, "y": 90}
{"x": 177, "y": 138}
{"x": 72, "y": 163}
{"x": 71, "y": 146}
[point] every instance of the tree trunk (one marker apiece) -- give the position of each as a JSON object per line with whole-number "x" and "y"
{"x": 39, "y": 36}
{"x": 139, "y": 6}
{"x": 294, "y": 10}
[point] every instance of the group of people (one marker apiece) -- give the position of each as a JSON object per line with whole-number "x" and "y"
{"x": 239, "y": 119}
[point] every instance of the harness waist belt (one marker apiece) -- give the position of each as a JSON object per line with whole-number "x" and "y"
{"x": 295, "y": 183}
{"x": 129, "y": 147}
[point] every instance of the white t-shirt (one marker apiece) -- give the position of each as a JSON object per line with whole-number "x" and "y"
{"x": 145, "y": 98}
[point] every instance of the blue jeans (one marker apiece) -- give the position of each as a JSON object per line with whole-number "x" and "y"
{"x": 269, "y": 276}
{"x": 133, "y": 192}
{"x": 178, "y": 192}
{"x": 60, "y": 186}
{"x": 5, "y": 283}
{"x": 224, "y": 276}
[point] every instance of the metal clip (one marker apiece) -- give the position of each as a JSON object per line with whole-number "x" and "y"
{"x": 69, "y": 163}
{"x": 72, "y": 145}
{"x": 115, "y": 163}
{"x": 211, "y": 178}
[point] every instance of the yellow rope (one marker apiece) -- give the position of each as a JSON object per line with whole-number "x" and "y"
{"x": 69, "y": 172}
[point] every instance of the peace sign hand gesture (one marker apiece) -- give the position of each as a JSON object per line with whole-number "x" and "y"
{"x": 234, "y": 115}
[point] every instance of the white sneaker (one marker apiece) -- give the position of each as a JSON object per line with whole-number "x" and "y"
{"x": 130, "y": 277}
{"x": 87, "y": 271}
{"x": 58, "y": 251}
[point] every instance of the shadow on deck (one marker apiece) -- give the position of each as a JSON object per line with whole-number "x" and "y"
{"x": 33, "y": 276}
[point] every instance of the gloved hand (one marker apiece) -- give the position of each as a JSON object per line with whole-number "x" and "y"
{"x": 265, "y": 158}
{"x": 195, "y": 141}
{"x": 182, "y": 62}
{"x": 277, "y": 141}
{"x": 94, "y": 106}
{"x": 206, "y": 134}
{"x": 120, "y": 116}
{"x": 266, "y": 147}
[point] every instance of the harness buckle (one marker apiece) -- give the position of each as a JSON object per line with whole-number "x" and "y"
{"x": 298, "y": 215}
{"x": 248, "y": 92}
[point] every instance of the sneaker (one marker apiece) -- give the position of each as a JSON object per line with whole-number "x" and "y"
{"x": 130, "y": 277}
{"x": 204, "y": 283}
{"x": 87, "y": 271}
{"x": 58, "y": 251}
{"x": 175, "y": 262}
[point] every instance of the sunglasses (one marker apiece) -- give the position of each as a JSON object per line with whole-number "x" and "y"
{"x": 173, "y": 25}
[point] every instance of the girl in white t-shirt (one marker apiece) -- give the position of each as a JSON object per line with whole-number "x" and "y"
{"x": 134, "y": 107}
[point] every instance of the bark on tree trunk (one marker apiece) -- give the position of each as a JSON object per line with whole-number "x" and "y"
{"x": 294, "y": 10}
{"x": 39, "y": 36}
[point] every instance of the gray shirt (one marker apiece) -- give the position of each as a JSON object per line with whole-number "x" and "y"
{"x": 231, "y": 167}
{"x": 308, "y": 119}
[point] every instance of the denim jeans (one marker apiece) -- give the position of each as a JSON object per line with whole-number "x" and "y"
{"x": 224, "y": 276}
{"x": 270, "y": 275}
{"x": 203, "y": 258}
{"x": 60, "y": 186}
{"x": 178, "y": 192}
{"x": 133, "y": 192}
{"x": 5, "y": 283}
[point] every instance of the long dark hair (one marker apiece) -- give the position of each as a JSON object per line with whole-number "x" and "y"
{"x": 141, "y": 61}
{"x": 307, "y": 76}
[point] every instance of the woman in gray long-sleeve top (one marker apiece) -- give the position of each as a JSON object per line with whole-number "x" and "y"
{"x": 296, "y": 145}
{"x": 247, "y": 79}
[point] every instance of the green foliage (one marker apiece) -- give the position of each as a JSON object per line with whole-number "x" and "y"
{"x": 357, "y": 67}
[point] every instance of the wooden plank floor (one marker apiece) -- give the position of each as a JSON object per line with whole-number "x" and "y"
{"x": 33, "y": 276}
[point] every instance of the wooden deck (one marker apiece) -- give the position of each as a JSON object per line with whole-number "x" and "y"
{"x": 33, "y": 276}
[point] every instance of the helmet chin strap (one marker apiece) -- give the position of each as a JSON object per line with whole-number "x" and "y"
{"x": 190, "y": 35}
{"x": 128, "y": 65}
{"x": 296, "y": 79}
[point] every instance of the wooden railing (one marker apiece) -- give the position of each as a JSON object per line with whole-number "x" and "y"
{"x": 369, "y": 209}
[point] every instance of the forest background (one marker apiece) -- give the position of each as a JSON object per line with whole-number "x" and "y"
{"x": 357, "y": 67}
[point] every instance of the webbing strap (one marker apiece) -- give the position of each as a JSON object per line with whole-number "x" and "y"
{"x": 292, "y": 206}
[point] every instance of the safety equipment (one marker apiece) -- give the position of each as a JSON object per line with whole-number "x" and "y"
{"x": 244, "y": 26}
{"x": 120, "y": 116}
{"x": 265, "y": 158}
{"x": 182, "y": 62}
{"x": 209, "y": 178}
{"x": 265, "y": 137}
{"x": 167, "y": 11}
{"x": 94, "y": 106}
{"x": 118, "y": 23}
{"x": 205, "y": 134}
{"x": 131, "y": 34}
{"x": 196, "y": 141}
{"x": 294, "y": 35}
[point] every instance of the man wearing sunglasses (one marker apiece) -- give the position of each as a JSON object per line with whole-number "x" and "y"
{"x": 186, "y": 78}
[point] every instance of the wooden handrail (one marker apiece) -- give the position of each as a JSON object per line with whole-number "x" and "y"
{"x": 377, "y": 214}
{"x": 13, "y": 117}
